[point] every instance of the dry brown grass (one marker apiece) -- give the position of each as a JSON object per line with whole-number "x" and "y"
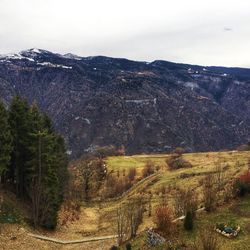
{"x": 99, "y": 219}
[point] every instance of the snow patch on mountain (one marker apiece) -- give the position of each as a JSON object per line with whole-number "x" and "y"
{"x": 17, "y": 56}
{"x": 191, "y": 85}
{"x": 52, "y": 65}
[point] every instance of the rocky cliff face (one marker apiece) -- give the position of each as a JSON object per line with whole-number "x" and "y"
{"x": 147, "y": 107}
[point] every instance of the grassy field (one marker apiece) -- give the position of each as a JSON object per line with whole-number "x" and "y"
{"x": 200, "y": 161}
{"x": 203, "y": 163}
{"x": 238, "y": 212}
{"x": 99, "y": 218}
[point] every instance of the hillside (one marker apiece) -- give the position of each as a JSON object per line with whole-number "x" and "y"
{"x": 145, "y": 107}
{"x": 99, "y": 218}
{"x": 202, "y": 164}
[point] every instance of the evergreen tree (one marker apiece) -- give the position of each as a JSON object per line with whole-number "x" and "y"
{"x": 5, "y": 140}
{"x": 47, "y": 170}
{"x": 188, "y": 221}
{"x": 20, "y": 125}
{"x": 38, "y": 159}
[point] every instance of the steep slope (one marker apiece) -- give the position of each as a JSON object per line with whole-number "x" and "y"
{"x": 96, "y": 101}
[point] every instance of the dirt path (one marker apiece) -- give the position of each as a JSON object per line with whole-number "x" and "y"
{"x": 89, "y": 239}
{"x": 64, "y": 242}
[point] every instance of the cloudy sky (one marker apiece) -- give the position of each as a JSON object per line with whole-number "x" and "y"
{"x": 211, "y": 32}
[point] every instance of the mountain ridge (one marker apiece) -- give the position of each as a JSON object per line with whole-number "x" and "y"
{"x": 143, "y": 106}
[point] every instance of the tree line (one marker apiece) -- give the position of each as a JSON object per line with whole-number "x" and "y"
{"x": 33, "y": 160}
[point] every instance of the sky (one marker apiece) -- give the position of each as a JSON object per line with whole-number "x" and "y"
{"x": 211, "y": 32}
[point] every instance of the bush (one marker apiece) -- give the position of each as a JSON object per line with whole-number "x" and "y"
{"x": 185, "y": 200}
{"x": 106, "y": 151}
{"x": 9, "y": 214}
{"x": 115, "y": 186}
{"x": 176, "y": 162}
{"x": 208, "y": 240}
{"x": 188, "y": 221}
{"x": 163, "y": 220}
{"x": 131, "y": 174}
{"x": 148, "y": 169}
{"x": 128, "y": 246}
{"x": 220, "y": 226}
{"x": 241, "y": 188}
{"x": 242, "y": 184}
{"x": 179, "y": 151}
{"x": 114, "y": 248}
{"x": 209, "y": 192}
{"x": 244, "y": 147}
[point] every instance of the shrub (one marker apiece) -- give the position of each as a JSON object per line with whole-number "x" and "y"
{"x": 148, "y": 169}
{"x": 9, "y": 214}
{"x": 179, "y": 151}
{"x": 131, "y": 174}
{"x": 128, "y": 246}
{"x": 220, "y": 226}
{"x": 115, "y": 186}
{"x": 244, "y": 147}
{"x": 185, "y": 200}
{"x": 188, "y": 221}
{"x": 242, "y": 184}
{"x": 163, "y": 220}
{"x": 176, "y": 162}
{"x": 69, "y": 212}
{"x": 245, "y": 178}
{"x": 114, "y": 248}
{"x": 89, "y": 174}
{"x": 241, "y": 188}
{"x": 105, "y": 151}
{"x": 208, "y": 240}
{"x": 163, "y": 190}
{"x": 209, "y": 192}
{"x": 157, "y": 168}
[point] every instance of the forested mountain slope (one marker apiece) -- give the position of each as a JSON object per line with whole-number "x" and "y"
{"x": 145, "y": 107}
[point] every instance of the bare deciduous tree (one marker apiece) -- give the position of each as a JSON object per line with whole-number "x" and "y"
{"x": 122, "y": 223}
{"x": 220, "y": 166}
{"x": 135, "y": 208}
{"x": 129, "y": 217}
{"x": 209, "y": 192}
{"x": 91, "y": 174}
{"x": 184, "y": 201}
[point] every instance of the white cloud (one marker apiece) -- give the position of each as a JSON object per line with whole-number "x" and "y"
{"x": 186, "y": 31}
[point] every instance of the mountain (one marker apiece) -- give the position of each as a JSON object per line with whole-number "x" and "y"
{"x": 146, "y": 107}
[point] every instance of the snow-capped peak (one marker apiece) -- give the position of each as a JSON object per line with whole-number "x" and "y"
{"x": 38, "y": 51}
{"x": 34, "y": 52}
{"x": 16, "y": 56}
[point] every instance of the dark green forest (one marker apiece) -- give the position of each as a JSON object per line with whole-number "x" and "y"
{"x": 33, "y": 160}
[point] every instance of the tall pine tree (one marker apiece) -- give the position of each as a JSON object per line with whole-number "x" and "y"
{"x": 36, "y": 163}
{"x": 20, "y": 125}
{"x": 47, "y": 169}
{"x": 5, "y": 141}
